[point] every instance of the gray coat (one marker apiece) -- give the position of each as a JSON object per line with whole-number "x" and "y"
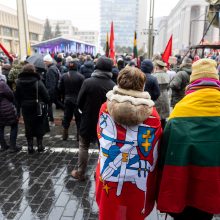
{"x": 162, "y": 103}
{"x": 179, "y": 83}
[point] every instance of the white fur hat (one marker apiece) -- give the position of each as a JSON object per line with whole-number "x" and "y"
{"x": 48, "y": 58}
{"x": 69, "y": 59}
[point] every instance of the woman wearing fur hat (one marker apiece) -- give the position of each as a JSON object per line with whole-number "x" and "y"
{"x": 129, "y": 130}
{"x": 190, "y": 186}
{"x": 29, "y": 88}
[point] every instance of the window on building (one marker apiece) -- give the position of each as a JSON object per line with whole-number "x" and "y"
{"x": 7, "y": 31}
{"x": 34, "y": 36}
{"x": 16, "y": 33}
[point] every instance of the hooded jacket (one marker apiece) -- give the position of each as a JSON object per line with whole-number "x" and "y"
{"x": 179, "y": 83}
{"x": 129, "y": 130}
{"x": 87, "y": 69}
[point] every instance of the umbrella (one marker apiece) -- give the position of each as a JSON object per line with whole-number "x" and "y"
{"x": 36, "y": 60}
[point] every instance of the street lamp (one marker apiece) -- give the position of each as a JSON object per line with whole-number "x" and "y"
{"x": 151, "y": 27}
{"x": 23, "y": 27}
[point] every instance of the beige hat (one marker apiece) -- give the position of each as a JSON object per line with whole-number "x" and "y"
{"x": 204, "y": 68}
{"x": 160, "y": 63}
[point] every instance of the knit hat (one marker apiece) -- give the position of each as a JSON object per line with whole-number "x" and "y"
{"x": 204, "y": 68}
{"x": 48, "y": 58}
{"x": 147, "y": 66}
{"x": 104, "y": 64}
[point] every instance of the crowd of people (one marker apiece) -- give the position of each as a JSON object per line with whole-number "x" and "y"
{"x": 156, "y": 127}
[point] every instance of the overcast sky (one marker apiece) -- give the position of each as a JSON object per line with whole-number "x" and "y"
{"x": 83, "y": 13}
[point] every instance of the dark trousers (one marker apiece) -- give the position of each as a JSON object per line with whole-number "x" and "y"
{"x": 13, "y": 136}
{"x": 71, "y": 109}
{"x": 50, "y": 111}
{"x": 163, "y": 123}
{"x": 190, "y": 213}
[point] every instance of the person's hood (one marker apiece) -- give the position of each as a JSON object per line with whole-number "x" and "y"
{"x": 101, "y": 74}
{"x": 28, "y": 78}
{"x": 89, "y": 64}
{"x": 187, "y": 68}
{"x": 129, "y": 107}
{"x": 147, "y": 66}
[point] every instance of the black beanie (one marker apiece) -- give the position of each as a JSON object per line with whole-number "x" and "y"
{"x": 73, "y": 65}
{"x": 147, "y": 66}
{"x": 104, "y": 64}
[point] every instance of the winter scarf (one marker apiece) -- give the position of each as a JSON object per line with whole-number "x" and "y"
{"x": 203, "y": 83}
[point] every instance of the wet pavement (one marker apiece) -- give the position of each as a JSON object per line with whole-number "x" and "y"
{"x": 39, "y": 186}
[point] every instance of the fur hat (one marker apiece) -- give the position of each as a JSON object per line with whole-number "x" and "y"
{"x": 69, "y": 59}
{"x": 48, "y": 58}
{"x": 204, "y": 68}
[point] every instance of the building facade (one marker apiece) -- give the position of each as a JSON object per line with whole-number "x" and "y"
{"x": 128, "y": 16}
{"x": 187, "y": 23}
{"x": 9, "y": 29}
{"x": 90, "y": 37}
{"x": 66, "y": 27}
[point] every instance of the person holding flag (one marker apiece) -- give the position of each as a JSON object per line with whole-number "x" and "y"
{"x": 190, "y": 161}
{"x": 129, "y": 131}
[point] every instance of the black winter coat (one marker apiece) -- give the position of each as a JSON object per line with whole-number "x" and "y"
{"x": 91, "y": 96}
{"x": 8, "y": 114}
{"x": 70, "y": 85}
{"x": 51, "y": 80}
{"x": 152, "y": 86}
{"x": 87, "y": 69}
{"x": 26, "y": 94}
{"x": 115, "y": 72}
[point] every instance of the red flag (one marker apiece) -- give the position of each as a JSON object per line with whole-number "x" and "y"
{"x": 6, "y": 52}
{"x": 112, "y": 43}
{"x": 168, "y": 51}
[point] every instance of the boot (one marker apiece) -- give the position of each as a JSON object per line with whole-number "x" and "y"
{"x": 40, "y": 144}
{"x": 4, "y": 146}
{"x": 15, "y": 149}
{"x": 65, "y": 134}
{"x": 30, "y": 145}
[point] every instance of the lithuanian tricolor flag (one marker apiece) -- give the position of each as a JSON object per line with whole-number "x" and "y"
{"x": 190, "y": 154}
{"x": 107, "y": 46}
{"x": 135, "y": 52}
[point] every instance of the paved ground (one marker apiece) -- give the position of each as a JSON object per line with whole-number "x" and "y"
{"x": 39, "y": 186}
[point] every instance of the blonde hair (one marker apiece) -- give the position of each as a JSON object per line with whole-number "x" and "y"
{"x": 131, "y": 78}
